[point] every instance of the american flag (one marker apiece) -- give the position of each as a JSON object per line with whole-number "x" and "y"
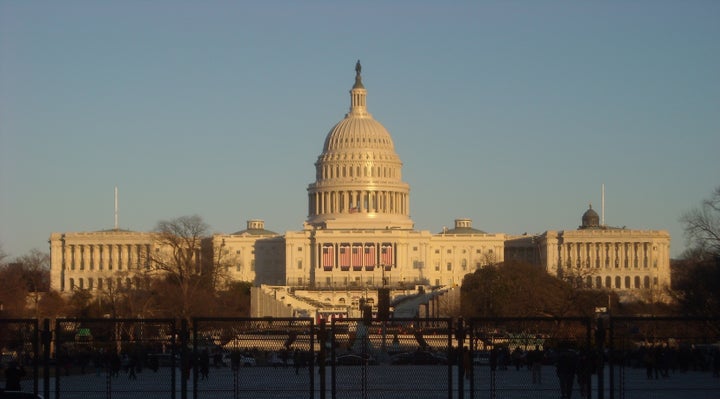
{"x": 386, "y": 256}
{"x": 369, "y": 256}
{"x": 357, "y": 255}
{"x": 328, "y": 257}
{"x": 344, "y": 256}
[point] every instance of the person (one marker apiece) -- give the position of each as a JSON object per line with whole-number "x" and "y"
{"x": 584, "y": 370}
{"x": 13, "y": 375}
{"x": 517, "y": 357}
{"x": 131, "y": 364}
{"x": 566, "y": 367}
{"x": 204, "y": 364}
{"x": 535, "y": 358}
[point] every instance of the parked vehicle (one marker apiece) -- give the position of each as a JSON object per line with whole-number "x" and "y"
{"x": 354, "y": 359}
{"x": 418, "y": 358}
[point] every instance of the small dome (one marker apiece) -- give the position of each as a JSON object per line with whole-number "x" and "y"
{"x": 255, "y": 227}
{"x": 590, "y": 219}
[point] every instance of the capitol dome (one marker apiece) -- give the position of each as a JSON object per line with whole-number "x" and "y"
{"x": 358, "y": 179}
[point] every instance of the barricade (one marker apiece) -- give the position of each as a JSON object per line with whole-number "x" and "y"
{"x": 664, "y": 357}
{"x": 253, "y": 358}
{"x": 532, "y": 356}
{"x": 114, "y": 358}
{"x": 611, "y": 357}
{"x": 19, "y": 340}
{"x": 394, "y": 358}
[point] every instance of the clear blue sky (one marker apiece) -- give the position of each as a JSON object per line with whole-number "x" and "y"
{"x": 512, "y": 113}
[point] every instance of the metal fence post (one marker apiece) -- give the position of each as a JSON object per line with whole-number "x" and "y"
{"x": 46, "y": 340}
{"x": 184, "y": 361}
{"x": 460, "y": 356}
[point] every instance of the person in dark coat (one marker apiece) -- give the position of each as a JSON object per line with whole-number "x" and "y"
{"x": 566, "y": 367}
{"x": 13, "y": 375}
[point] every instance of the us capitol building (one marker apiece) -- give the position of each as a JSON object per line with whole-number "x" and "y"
{"x": 358, "y": 236}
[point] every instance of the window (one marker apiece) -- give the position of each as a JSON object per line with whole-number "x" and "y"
{"x": 437, "y": 251}
{"x": 300, "y": 281}
{"x": 627, "y": 281}
{"x": 478, "y": 251}
{"x": 437, "y": 267}
{"x": 72, "y": 284}
{"x": 99, "y": 287}
{"x": 415, "y": 249}
{"x": 238, "y": 267}
{"x": 608, "y": 282}
{"x": 618, "y": 282}
{"x": 299, "y": 249}
{"x": 449, "y": 251}
{"x": 449, "y": 266}
{"x": 646, "y": 282}
{"x": 82, "y": 286}
{"x": 637, "y": 282}
{"x": 464, "y": 264}
{"x": 299, "y": 264}
{"x": 90, "y": 283}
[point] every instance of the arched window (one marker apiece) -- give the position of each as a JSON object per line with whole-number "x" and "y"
{"x": 598, "y": 282}
{"x": 618, "y": 282}
{"x": 72, "y": 284}
{"x": 82, "y": 285}
{"x": 608, "y": 282}
{"x": 588, "y": 282}
{"x": 637, "y": 281}
{"x": 646, "y": 282}
{"x": 90, "y": 283}
{"x": 627, "y": 281}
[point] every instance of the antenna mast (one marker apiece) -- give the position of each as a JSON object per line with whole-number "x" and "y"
{"x": 602, "y": 211}
{"x": 116, "y": 208}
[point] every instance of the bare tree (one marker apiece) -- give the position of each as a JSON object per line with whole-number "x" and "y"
{"x": 177, "y": 259}
{"x": 36, "y": 273}
{"x": 702, "y": 228}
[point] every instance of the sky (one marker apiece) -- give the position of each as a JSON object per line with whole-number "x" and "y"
{"x": 511, "y": 113}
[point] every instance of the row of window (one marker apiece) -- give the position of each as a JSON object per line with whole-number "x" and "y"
{"x": 106, "y": 283}
{"x": 626, "y": 263}
{"x": 617, "y": 283}
{"x": 331, "y": 172}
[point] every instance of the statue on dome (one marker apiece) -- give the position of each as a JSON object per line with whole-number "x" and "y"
{"x": 358, "y": 67}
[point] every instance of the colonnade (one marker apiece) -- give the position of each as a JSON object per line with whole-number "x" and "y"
{"x": 607, "y": 255}
{"x": 105, "y": 256}
{"x": 359, "y": 201}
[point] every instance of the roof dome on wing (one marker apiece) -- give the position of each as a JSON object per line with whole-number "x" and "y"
{"x": 590, "y": 219}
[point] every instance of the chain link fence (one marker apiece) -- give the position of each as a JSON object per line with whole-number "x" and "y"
{"x": 19, "y": 364}
{"x": 387, "y": 359}
{"x": 114, "y": 358}
{"x": 253, "y": 358}
{"x": 600, "y": 357}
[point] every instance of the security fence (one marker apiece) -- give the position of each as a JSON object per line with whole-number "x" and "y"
{"x": 395, "y": 358}
{"x": 113, "y": 358}
{"x": 253, "y": 357}
{"x": 600, "y": 357}
{"x": 663, "y": 357}
{"x": 19, "y": 340}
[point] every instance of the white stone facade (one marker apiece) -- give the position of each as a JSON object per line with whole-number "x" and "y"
{"x": 358, "y": 234}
